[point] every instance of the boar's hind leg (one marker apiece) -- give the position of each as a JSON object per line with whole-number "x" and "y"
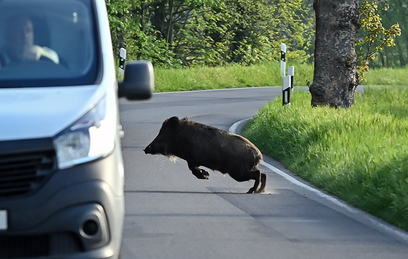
{"x": 263, "y": 183}
{"x": 258, "y": 177}
{"x": 199, "y": 173}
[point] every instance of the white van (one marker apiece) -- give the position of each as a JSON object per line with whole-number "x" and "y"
{"x": 61, "y": 168}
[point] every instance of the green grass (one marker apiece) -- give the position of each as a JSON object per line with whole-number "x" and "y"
{"x": 358, "y": 154}
{"x": 264, "y": 74}
{"x": 199, "y": 78}
{"x": 387, "y": 76}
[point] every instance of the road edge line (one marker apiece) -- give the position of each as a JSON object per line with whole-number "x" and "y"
{"x": 379, "y": 223}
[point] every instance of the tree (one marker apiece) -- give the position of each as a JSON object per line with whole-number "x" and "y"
{"x": 244, "y": 32}
{"x": 210, "y": 32}
{"x": 132, "y": 29}
{"x": 335, "y": 78}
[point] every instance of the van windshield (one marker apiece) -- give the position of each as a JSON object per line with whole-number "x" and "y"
{"x": 47, "y": 43}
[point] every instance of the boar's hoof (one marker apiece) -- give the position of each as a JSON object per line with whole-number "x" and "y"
{"x": 260, "y": 190}
{"x": 201, "y": 174}
{"x": 204, "y": 174}
{"x": 252, "y": 190}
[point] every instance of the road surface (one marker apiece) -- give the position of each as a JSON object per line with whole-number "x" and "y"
{"x": 171, "y": 214}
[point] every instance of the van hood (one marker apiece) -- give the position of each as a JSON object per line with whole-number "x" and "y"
{"x": 28, "y": 113}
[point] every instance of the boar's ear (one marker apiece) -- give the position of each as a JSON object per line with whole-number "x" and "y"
{"x": 172, "y": 122}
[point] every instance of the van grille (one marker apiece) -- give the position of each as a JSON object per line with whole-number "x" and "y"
{"x": 24, "y": 172}
{"x": 16, "y": 246}
{"x": 24, "y": 246}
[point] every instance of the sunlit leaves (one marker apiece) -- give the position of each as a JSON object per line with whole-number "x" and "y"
{"x": 375, "y": 36}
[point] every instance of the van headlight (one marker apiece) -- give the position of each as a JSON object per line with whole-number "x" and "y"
{"x": 89, "y": 138}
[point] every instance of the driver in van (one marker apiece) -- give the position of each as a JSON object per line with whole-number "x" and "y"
{"x": 19, "y": 38}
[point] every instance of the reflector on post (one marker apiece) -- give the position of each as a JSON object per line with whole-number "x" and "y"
{"x": 291, "y": 73}
{"x": 122, "y": 56}
{"x": 283, "y": 60}
{"x": 286, "y": 91}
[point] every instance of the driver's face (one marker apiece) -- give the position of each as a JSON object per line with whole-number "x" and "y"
{"x": 20, "y": 35}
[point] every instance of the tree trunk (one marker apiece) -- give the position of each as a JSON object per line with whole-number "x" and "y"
{"x": 170, "y": 23}
{"x": 335, "y": 78}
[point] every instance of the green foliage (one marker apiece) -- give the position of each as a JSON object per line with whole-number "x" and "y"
{"x": 130, "y": 31}
{"x": 375, "y": 36}
{"x": 398, "y": 55}
{"x": 246, "y": 32}
{"x": 358, "y": 154}
{"x": 210, "y": 32}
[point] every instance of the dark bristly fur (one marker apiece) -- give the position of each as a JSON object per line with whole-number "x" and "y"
{"x": 202, "y": 145}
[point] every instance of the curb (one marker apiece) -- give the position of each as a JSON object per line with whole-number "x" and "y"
{"x": 353, "y": 212}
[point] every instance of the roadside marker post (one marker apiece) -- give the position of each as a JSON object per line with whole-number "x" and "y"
{"x": 283, "y": 60}
{"x": 122, "y": 56}
{"x": 286, "y": 91}
{"x": 291, "y": 73}
{"x": 286, "y": 88}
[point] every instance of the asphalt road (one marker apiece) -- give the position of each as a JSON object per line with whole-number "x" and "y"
{"x": 171, "y": 214}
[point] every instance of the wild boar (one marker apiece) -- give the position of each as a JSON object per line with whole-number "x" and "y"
{"x": 202, "y": 145}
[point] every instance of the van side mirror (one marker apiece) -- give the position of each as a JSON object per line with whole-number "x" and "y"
{"x": 138, "y": 82}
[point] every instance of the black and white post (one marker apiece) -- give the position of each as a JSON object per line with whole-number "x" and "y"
{"x": 283, "y": 60}
{"x": 291, "y": 73}
{"x": 122, "y": 56}
{"x": 286, "y": 91}
{"x": 286, "y": 79}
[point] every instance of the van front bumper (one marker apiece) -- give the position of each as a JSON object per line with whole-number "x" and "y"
{"x": 77, "y": 213}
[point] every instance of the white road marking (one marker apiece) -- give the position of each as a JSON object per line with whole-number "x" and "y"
{"x": 385, "y": 227}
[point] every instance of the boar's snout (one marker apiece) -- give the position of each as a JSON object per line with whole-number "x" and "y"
{"x": 149, "y": 149}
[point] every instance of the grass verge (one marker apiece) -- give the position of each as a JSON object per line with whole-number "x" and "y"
{"x": 387, "y": 76}
{"x": 263, "y": 74}
{"x": 358, "y": 154}
{"x": 200, "y": 78}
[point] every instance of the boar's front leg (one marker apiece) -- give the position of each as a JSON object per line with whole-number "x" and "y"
{"x": 199, "y": 173}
